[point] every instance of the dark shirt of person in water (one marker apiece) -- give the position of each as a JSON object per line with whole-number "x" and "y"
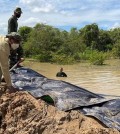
{"x": 61, "y": 73}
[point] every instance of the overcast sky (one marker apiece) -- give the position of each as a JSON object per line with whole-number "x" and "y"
{"x": 63, "y": 14}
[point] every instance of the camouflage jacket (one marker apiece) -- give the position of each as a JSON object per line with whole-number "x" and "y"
{"x": 12, "y": 24}
{"x": 15, "y": 55}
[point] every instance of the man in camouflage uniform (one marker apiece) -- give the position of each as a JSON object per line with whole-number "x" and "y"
{"x": 11, "y": 41}
{"x": 15, "y": 55}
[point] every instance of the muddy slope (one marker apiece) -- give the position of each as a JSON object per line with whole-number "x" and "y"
{"x": 20, "y": 113}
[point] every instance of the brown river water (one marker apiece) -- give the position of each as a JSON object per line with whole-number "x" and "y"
{"x": 98, "y": 79}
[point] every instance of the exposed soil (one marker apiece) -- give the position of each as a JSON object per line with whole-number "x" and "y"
{"x": 20, "y": 113}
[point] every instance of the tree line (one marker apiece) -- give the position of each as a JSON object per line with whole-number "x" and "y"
{"x": 49, "y": 44}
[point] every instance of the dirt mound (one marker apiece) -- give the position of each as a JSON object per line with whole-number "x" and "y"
{"x": 20, "y": 113}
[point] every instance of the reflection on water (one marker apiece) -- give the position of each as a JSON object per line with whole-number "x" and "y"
{"x": 98, "y": 79}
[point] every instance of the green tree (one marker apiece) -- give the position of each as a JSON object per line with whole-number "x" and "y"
{"x": 24, "y": 32}
{"x": 47, "y": 43}
{"x": 105, "y": 42}
{"x": 115, "y": 34}
{"x": 90, "y": 34}
{"x": 116, "y": 49}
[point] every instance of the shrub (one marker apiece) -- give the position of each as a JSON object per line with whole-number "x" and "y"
{"x": 116, "y": 50}
{"x": 62, "y": 59}
{"x": 45, "y": 57}
{"x": 97, "y": 58}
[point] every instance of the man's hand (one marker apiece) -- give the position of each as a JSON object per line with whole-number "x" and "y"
{"x": 22, "y": 59}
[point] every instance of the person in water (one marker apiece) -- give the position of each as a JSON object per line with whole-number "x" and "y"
{"x": 61, "y": 73}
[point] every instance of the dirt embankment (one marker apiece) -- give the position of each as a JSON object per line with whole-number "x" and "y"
{"x": 20, "y": 113}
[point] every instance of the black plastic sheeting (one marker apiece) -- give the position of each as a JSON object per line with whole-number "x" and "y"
{"x": 67, "y": 96}
{"x": 108, "y": 113}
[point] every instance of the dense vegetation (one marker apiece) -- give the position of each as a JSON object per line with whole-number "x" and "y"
{"x": 49, "y": 44}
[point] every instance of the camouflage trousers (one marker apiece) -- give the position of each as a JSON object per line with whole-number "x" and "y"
{"x": 12, "y": 63}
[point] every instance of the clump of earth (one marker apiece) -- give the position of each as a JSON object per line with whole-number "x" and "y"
{"x": 20, "y": 113}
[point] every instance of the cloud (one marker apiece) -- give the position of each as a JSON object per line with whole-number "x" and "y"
{"x": 46, "y": 9}
{"x": 31, "y": 21}
{"x": 3, "y": 28}
{"x": 63, "y": 13}
{"x": 115, "y": 25}
{"x": 7, "y": 5}
{"x": 37, "y": 6}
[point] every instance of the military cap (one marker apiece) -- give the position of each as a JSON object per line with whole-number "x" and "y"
{"x": 14, "y": 35}
{"x": 18, "y": 10}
